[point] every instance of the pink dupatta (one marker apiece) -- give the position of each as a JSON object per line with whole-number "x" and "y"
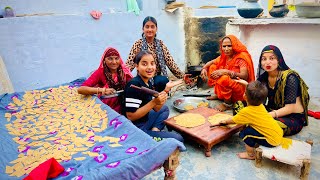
{"x": 113, "y": 102}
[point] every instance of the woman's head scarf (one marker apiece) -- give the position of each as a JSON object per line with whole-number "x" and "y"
{"x": 239, "y": 51}
{"x": 276, "y": 51}
{"x": 122, "y": 70}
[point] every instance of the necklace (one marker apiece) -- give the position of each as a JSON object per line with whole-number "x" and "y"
{"x": 227, "y": 62}
{"x": 275, "y": 81}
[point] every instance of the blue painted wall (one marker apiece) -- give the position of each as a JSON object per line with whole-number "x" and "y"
{"x": 47, "y": 50}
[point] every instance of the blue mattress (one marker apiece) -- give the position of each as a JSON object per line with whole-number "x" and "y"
{"x": 87, "y": 137}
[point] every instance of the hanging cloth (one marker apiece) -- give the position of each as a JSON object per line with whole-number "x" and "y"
{"x": 133, "y": 6}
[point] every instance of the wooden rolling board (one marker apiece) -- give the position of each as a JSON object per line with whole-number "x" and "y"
{"x": 203, "y": 134}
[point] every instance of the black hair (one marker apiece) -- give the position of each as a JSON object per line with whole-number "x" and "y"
{"x": 256, "y": 93}
{"x": 139, "y": 56}
{"x": 149, "y": 18}
{"x": 276, "y": 51}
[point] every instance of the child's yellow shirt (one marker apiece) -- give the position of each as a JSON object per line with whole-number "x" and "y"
{"x": 259, "y": 119}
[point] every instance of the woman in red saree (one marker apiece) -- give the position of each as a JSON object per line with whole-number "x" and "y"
{"x": 111, "y": 76}
{"x": 234, "y": 61}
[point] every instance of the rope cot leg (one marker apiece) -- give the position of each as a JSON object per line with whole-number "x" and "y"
{"x": 258, "y": 157}
{"x": 170, "y": 165}
{"x": 305, "y": 169}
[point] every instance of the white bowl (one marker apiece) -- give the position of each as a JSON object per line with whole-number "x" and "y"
{"x": 308, "y": 10}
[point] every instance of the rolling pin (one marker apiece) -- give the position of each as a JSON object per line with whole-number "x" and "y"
{"x": 146, "y": 90}
{"x": 217, "y": 125}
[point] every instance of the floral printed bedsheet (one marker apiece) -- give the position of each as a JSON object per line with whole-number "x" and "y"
{"x": 87, "y": 137}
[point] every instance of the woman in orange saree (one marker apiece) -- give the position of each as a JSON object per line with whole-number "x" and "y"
{"x": 234, "y": 62}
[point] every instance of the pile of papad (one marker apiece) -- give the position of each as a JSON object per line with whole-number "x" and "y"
{"x": 215, "y": 119}
{"x": 190, "y": 120}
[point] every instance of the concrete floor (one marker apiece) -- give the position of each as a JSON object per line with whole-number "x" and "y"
{"x": 224, "y": 163}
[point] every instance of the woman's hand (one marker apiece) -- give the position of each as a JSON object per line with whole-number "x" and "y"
{"x": 161, "y": 99}
{"x": 204, "y": 74}
{"x": 171, "y": 84}
{"x": 241, "y": 81}
{"x": 187, "y": 79}
{"x": 217, "y": 73}
{"x": 107, "y": 91}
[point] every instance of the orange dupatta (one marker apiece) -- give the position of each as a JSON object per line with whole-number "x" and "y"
{"x": 240, "y": 52}
{"x": 226, "y": 88}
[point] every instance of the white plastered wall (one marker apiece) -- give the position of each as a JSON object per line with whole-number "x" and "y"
{"x": 298, "y": 43}
{"x": 5, "y": 83}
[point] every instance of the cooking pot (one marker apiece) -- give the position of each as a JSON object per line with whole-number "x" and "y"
{"x": 194, "y": 70}
{"x": 308, "y": 9}
{"x": 279, "y": 10}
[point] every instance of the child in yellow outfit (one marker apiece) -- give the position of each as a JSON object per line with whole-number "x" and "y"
{"x": 261, "y": 128}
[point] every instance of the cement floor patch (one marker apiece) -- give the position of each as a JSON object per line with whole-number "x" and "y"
{"x": 224, "y": 163}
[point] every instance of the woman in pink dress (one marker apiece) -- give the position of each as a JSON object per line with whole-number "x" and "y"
{"x": 111, "y": 76}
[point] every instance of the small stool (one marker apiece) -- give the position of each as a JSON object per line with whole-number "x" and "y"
{"x": 298, "y": 154}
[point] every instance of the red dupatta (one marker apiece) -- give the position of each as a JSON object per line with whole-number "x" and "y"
{"x": 113, "y": 102}
{"x": 110, "y": 51}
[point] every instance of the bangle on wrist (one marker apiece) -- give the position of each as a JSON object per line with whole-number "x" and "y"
{"x": 97, "y": 90}
{"x": 275, "y": 113}
{"x": 166, "y": 91}
{"x": 232, "y": 74}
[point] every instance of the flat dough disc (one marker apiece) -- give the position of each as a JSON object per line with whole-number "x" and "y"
{"x": 190, "y": 120}
{"x": 215, "y": 119}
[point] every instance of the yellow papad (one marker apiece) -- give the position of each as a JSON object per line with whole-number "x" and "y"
{"x": 190, "y": 120}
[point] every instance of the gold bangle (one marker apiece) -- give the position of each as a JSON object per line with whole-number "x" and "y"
{"x": 97, "y": 90}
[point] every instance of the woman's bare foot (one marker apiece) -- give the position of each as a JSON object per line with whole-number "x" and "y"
{"x": 214, "y": 97}
{"x": 222, "y": 107}
{"x": 245, "y": 155}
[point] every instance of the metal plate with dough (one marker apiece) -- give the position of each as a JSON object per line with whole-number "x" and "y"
{"x": 182, "y": 104}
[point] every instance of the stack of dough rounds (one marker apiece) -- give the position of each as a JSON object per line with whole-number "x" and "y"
{"x": 215, "y": 119}
{"x": 190, "y": 120}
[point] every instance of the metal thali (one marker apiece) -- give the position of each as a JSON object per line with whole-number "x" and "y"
{"x": 180, "y": 104}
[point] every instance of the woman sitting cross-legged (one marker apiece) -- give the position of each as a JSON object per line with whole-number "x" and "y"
{"x": 111, "y": 76}
{"x": 234, "y": 62}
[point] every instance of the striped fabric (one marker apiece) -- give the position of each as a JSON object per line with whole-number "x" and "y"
{"x": 131, "y": 102}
